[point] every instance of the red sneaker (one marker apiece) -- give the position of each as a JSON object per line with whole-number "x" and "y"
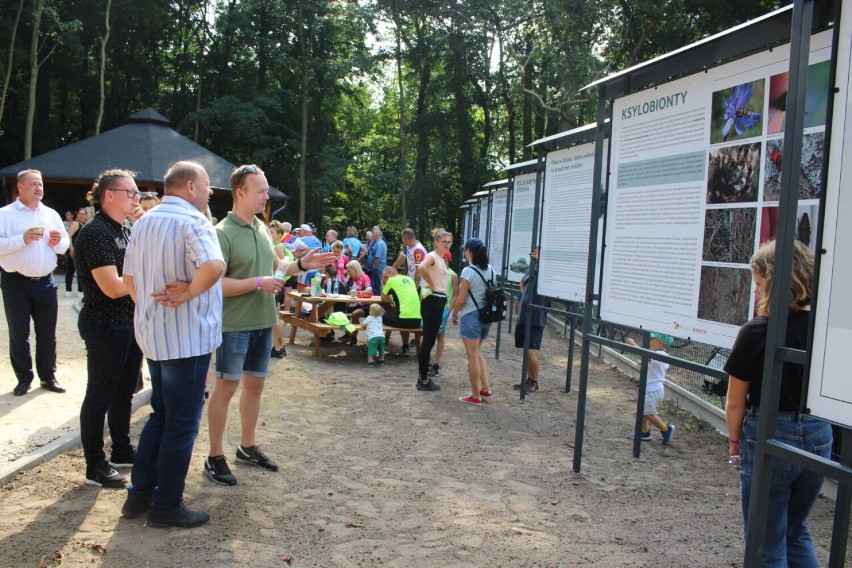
{"x": 476, "y": 401}
{"x": 485, "y": 394}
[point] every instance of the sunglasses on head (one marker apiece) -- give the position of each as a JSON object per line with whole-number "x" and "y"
{"x": 243, "y": 171}
{"x": 148, "y": 195}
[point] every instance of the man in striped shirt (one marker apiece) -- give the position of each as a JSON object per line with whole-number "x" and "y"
{"x": 172, "y": 268}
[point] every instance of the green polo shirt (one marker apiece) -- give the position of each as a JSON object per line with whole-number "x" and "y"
{"x": 248, "y": 253}
{"x": 403, "y": 291}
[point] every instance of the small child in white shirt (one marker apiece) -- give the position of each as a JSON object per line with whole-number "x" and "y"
{"x": 654, "y": 389}
{"x": 375, "y": 336}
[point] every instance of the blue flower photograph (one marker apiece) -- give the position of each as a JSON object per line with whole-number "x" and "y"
{"x": 738, "y": 112}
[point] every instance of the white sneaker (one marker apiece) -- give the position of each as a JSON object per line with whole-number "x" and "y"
{"x": 70, "y": 295}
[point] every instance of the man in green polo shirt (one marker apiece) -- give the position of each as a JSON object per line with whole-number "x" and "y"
{"x": 249, "y": 313}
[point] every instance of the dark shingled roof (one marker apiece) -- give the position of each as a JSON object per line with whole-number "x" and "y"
{"x": 147, "y": 144}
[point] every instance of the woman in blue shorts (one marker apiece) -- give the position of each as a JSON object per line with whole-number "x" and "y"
{"x": 472, "y": 287}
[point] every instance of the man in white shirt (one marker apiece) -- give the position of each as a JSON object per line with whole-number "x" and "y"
{"x": 31, "y": 235}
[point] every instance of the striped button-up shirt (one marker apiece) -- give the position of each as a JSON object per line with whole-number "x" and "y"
{"x": 37, "y": 258}
{"x": 169, "y": 244}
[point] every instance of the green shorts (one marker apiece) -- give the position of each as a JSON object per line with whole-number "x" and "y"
{"x": 376, "y": 347}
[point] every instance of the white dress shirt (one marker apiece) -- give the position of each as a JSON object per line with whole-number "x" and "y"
{"x": 37, "y": 258}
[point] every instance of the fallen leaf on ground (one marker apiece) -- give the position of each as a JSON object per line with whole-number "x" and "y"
{"x": 99, "y": 547}
{"x": 287, "y": 559}
{"x": 355, "y": 525}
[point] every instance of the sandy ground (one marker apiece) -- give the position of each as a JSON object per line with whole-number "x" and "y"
{"x": 374, "y": 473}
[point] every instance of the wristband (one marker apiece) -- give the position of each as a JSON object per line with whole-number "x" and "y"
{"x": 299, "y": 265}
{"x": 259, "y": 282}
{"x": 732, "y": 441}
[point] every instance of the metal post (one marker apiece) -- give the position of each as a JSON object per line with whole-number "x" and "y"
{"x": 571, "y": 337}
{"x": 640, "y": 400}
{"x": 800, "y": 36}
{"x": 590, "y": 283}
{"x": 840, "y": 529}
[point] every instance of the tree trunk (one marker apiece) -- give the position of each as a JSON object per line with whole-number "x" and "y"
{"x": 34, "y": 68}
{"x": 104, "y": 40}
{"x": 9, "y": 62}
{"x": 303, "y": 143}
{"x": 402, "y": 124}
{"x": 527, "y": 126}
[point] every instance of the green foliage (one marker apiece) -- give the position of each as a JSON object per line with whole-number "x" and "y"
{"x": 478, "y": 81}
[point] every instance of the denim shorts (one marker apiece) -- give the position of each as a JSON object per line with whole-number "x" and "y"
{"x": 244, "y": 352}
{"x": 471, "y": 328}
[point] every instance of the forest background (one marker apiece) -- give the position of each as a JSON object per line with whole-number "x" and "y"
{"x": 389, "y": 112}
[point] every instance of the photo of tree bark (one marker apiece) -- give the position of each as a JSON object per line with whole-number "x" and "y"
{"x": 724, "y": 294}
{"x": 729, "y": 234}
{"x": 810, "y": 175}
{"x": 362, "y": 111}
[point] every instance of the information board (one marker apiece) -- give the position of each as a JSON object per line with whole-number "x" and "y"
{"x": 521, "y": 230}
{"x": 497, "y": 233}
{"x": 567, "y": 199}
{"x": 830, "y": 390}
{"x": 484, "y": 207}
{"x": 695, "y": 180}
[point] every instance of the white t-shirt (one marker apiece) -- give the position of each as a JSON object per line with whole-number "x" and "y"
{"x": 656, "y": 374}
{"x": 414, "y": 255}
{"x": 373, "y": 327}
{"x": 477, "y": 287}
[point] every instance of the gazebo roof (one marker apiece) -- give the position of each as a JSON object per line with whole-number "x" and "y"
{"x": 147, "y": 144}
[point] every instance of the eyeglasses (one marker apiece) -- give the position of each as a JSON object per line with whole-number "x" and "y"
{"x": 131, "y": 193}
{"x": 148, "y": 195}
{"x": 242, "y": 172}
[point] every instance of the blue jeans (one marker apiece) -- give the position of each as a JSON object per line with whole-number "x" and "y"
{"x": 793, "y": 490}
{"x": 165, "y": 445}
{"x": 113, "y": 360}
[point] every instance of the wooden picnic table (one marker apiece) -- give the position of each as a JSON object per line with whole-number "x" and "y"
{"x": 322, "y": 306}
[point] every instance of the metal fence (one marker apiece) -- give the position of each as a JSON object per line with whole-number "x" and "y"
{"x": 702, "y": 386}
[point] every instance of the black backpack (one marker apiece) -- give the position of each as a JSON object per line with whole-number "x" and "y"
{"x": 494, "y": 308}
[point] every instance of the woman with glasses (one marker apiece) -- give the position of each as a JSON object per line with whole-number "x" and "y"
{"x": 148, "y": 200}
{"x": 433, "y": 298}
{"x": 106, "y": 327}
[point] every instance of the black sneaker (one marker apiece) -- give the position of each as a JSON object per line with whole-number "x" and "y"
{"x": 429, "y": 385}
{"x": 217, "y": 469}
{"x": 255, "y": 456}
{"x": 124, "y": 458}
{"x": 278, "y": 353}
{"x": 434, "y": 370}
{"x": 183, "y": 518}
{"x": 102, "y": 475}
{"x": 405, "y": 350}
